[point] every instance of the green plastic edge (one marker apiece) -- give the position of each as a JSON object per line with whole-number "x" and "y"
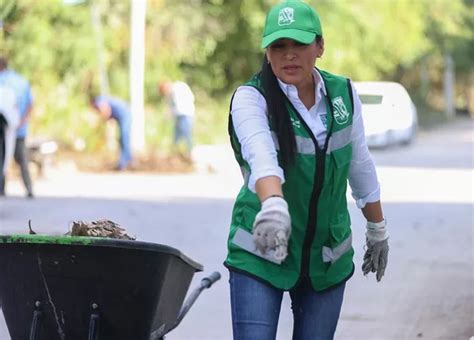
{"x": 86, "y": 241}
{"x": 55, "y": 239}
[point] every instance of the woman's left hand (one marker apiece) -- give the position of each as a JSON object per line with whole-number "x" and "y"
{"x": 376, "y": 255}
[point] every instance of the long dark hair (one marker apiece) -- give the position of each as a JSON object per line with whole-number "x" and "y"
{"x": 278, "y": 114}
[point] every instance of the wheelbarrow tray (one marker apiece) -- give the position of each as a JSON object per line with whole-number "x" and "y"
{"x": 134, "y": 288}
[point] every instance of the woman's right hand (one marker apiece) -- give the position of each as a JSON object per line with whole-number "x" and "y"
{"x": 272, "y": 227}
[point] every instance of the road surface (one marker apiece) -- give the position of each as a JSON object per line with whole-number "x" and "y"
{"x": 427, "y": 193}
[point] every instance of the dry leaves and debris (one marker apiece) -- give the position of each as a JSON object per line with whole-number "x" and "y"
{"x": 99, "y": 228}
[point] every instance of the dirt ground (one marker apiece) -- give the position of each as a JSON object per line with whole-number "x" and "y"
{"x": 147, "y": 162}
{"x": 100, "y": 163}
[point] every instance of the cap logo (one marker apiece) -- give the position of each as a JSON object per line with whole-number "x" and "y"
{"x": 285, "y": 17}
{"x": 341, "y": 115}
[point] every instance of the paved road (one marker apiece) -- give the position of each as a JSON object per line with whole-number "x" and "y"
{"x": 427, "y": 190}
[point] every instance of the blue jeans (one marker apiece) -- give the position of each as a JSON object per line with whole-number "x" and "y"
{"x": 124, "y": 125}
{"x": 183, "y": 130}
{"x": 256, "y": 308}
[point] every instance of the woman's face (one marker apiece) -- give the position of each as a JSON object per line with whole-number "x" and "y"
{"x": 293, "y": 62}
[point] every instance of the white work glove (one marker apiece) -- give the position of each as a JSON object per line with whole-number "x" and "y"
{"x": 272, "y": 227}
{"x": 376, "y": 254}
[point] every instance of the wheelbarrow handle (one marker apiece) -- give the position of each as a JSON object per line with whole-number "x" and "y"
{"x": 208, "y": 281}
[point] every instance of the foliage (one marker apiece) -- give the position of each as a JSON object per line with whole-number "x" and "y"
{"x": 373, "y": 48}
{"x": 214, "y": 45}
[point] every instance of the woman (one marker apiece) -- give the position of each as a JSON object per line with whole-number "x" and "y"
{"x": 298, "y": 136}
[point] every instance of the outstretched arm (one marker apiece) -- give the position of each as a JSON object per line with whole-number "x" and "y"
{"x": 267, "y": 187}
{"x": 272, "y": 225}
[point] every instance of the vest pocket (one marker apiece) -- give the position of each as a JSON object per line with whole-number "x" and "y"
{"x": 341, "y": 160}
{"x": 340, "y": 241}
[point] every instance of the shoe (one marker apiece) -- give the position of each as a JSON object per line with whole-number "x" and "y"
{"x": 119, "y": 168}
{"x": 30, "y": 195}
{"x": 124, "y": 167}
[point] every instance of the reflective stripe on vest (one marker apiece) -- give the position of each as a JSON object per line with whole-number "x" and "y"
{"x": 306, "y": 146}
{"x": 339, "y": 139}
{"x": 332, "y": 255}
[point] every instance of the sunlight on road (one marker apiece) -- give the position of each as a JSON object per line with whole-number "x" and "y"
{"x": 398, "y": 184}
{"x": 426, "y": 185}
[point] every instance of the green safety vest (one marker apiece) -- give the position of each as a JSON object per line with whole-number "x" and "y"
{"x": 320, "y": 245}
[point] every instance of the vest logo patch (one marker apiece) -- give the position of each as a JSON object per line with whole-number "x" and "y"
{"x": 341, "y": 115}
{"x": 295, "y": 122}
{"x": 285, "y": 17}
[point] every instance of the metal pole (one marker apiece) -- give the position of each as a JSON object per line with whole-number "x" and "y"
{"x": 449, "y": 86}
{"x": 137, "y": 72}
{"x": 470, "y": 97}
{"x": 424, "y": 79}
{"x": 99, "y": 41}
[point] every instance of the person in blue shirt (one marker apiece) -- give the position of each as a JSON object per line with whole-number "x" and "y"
{"x": 114, "y": 108}
{"x": 24, "y": 105}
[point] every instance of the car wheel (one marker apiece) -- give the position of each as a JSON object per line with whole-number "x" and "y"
{"x": 411, "y": 136}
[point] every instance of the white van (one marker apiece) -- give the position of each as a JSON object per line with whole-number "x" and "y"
{"x": 390, "y": 117}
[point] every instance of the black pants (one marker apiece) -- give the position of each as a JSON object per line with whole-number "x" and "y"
{"x": 3, "y": 128}
{"x": 21, "y": 159}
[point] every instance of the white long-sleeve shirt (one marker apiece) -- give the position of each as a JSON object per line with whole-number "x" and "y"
{"x": 249, "y": 117}
{"x": 182, "y": 99}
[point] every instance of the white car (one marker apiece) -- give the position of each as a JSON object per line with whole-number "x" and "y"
{"x": 390, "y": 117}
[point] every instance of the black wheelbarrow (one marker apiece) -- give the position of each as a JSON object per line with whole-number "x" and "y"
{"x": 84, "y": 288}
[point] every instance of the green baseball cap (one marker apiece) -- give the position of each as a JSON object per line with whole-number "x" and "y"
{"x": 291, "y": 19}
